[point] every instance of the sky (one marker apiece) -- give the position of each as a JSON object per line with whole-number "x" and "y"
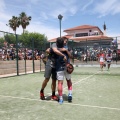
{"x": 45, "y": 13}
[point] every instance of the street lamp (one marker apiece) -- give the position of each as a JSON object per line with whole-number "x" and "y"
{"x": 60, "y": 18}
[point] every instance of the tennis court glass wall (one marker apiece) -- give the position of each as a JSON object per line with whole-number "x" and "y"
{"x": 17, "y": 58}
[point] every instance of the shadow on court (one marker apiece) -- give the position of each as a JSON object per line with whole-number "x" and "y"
{"x": 65, "y": 97}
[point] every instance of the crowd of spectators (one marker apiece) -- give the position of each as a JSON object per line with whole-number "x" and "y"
{"x": 27, "y": 54}
{"x": 92, "y": 55}
{"x": 23, "y": 54}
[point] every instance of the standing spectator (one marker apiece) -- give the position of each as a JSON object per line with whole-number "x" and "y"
{"x": 101, "y": 60}
{"x": 109, "y": 59}
{"x": 4, "y": 55}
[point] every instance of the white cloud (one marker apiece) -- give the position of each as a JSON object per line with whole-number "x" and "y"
{"x": 40, "y": 11}
{"x": 44, "y": 15}
{"x": 50, "y": 32}
{"x": 44, "y": 12}
{"x": 5, "y": 17}
{"x": 107, "y": 7}
{"x": 37, "y": 24}
{"x": 59, "y": 7}
{"x": 35, "y": 1}
{"x": 112, "y": 32}
{"x": 87, "y": 5}
{"x": 2, "y": 5}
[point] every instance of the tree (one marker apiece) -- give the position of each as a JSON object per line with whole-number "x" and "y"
{"x": 24, "y": 20}
{"x": 1, "y": 42}
{"x": 14, "y": 23}
{"x": 10, "y": 38}
{"x": 28, "y": 38}
{"x": 25, "y": 40}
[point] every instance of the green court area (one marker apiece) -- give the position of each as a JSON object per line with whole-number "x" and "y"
{"x": 96, "y": 96}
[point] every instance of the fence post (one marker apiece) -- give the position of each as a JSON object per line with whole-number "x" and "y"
{"x": 116, "y": 50}
{"x": 25, "y": 60}
{"x": 86, "y": 50}
{"x": 100, "y": 44}
{"x": 33, "y": 54}
{"x": 17, "y": 54}
{"x": 40, "y": 60}
{"x": 73, "y": 51}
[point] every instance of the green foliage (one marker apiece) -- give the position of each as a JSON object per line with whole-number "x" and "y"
{"x": 14, "y": 23}
{"x": 1, "y": 41}
{"x": 22, "y": 20}
{"x": 10, "y": 38}
{"x": 26, "y": 40}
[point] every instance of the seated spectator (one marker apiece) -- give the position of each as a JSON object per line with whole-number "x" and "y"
{"x": 29, "y": 55}
{"x": 37, "y": 55}
{"x": 4, "y": 55}
{"x": 20, "y": 55}
{"x": 8, "y": 55}
{"x": 12, "y": 55}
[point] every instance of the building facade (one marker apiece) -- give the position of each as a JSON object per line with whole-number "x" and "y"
{"x": 87, "y": 36}
{"x": 89, "y": 40}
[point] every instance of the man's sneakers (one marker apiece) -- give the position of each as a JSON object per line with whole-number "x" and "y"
{"x": 42, "y": 97}
{"x": 60, "y": 101}
{"x": 54, "y": 97}
{"x": 69, "y": 97}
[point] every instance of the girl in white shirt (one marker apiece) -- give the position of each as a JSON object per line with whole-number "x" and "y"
{"x": 101, "y": 60}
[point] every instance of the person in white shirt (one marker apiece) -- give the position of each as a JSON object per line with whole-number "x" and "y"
{"x": 101, "y": 60}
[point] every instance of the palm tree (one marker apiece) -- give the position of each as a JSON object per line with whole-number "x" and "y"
{"x": 24, "y": 20}
{"x": 14, "y": 23}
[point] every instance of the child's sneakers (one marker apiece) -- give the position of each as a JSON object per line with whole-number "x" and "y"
{"x": 60, "y": 101}
{"x": 69, "y": 97}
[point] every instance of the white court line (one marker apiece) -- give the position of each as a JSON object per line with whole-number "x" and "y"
{"x": 79, "y": 81}
{"x": 2, "y": 111}
{"x": 82, "y": 105}
{"x": 82, "y": 80}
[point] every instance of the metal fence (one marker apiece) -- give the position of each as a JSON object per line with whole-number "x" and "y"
{"x": 17, "y": 59}
{"x": 87, "y": 51}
